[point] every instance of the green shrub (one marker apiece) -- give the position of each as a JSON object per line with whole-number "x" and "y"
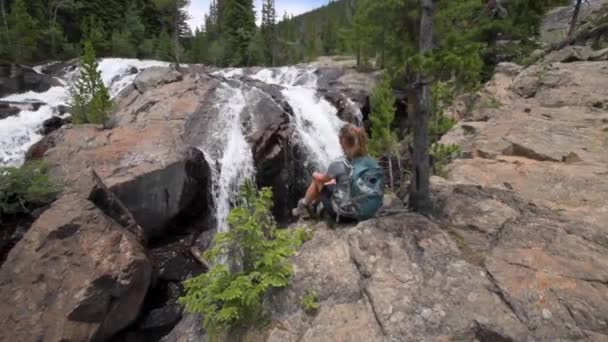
{"x": 442, "y": 155}
{"x": 25, "y": 188}
{"x": 310, "y": 301}
{"x": 257, "y": 252}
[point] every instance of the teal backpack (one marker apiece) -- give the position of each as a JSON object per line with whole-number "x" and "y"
{"x": 366, "y": 191}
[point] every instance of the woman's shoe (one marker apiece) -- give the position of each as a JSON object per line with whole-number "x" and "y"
{"x": 302, "y": 210}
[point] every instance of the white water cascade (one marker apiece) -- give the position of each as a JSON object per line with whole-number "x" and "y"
{"x": 18, "y": 133}
{"x": 230, "y": 151}
{"x": 315, "y": 120}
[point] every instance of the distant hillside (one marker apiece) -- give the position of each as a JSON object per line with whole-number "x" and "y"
{"x": 315, "y": 33}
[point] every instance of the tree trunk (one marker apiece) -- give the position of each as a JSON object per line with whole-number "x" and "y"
{"x": 420, "y": 183}
{"x": 390, "y": 172}
{"x": 383, "y": 45}
{"x": 577, "y": 10}
{"x": 176, "y": 37}
{"x": 5, "y": 22}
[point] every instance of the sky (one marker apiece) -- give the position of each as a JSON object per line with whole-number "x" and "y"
{"x": 198, "y": 8}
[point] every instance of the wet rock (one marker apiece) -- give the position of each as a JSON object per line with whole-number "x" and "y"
{"x": 52, "y": 124}
{"x": 16, "y": 79}
{"x": 179, "y": 267}
{"x": 62, "y": 109}
{"x": 7, "y": 110}
{"x": 161, "y": 318}
{"x": 76, "y": 275}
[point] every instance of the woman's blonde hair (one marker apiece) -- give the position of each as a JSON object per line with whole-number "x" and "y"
{"x": 354, "y": 140}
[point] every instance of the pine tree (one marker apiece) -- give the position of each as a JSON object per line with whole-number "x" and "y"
{"x": 177, "y": 16}
{"x": 134, "y": 26}
{"x": 94, "y": 33}
{"x": 5, "y": 38}
{"x": 90, "y": 99}
{"x": 383, "y": 140}
{"x": 122, "y": 46}
{"x": 163, "y": 49}
{"x": 238, "y": 29}
{"x": 268, "y": 30}
{"x": 23, "y": 33}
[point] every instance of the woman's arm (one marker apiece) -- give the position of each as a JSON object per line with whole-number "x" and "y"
{"x": 321, "y": 178}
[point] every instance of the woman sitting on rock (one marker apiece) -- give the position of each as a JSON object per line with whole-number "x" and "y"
{"x": 352, "y": 189}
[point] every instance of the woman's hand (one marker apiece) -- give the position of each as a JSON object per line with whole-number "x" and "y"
{"x": 321, "y": 177}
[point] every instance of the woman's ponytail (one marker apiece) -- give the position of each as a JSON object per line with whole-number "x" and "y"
{"x": 355, "y": 140}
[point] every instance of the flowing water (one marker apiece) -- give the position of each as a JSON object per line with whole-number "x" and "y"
{"x": 315, "y": 120}
{"x": 18, "y": 133}
{"x": 227, "y": 150}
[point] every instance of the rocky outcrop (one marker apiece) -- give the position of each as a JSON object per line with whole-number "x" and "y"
{"x": 16, "y": 79}
{"x": 518, "y": 246}
{"x": 544, "y": 137}
{"x": 492, "y": 268}
{"x": 347, "y": 89}
{"x": 77, "y": 275}
{"x": 556, "y": 23}
{"x": 144, "y": 159}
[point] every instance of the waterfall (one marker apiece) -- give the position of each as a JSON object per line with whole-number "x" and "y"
{"x": 228, "y": 149}
{"x": 18, "y": 133}
{"x": 315, "y": 119}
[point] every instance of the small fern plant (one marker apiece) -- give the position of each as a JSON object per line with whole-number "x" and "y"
{"x": 310, "y": 301}
{"x": 257, "y": 252}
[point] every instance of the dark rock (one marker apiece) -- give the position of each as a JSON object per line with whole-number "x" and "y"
{"x": 62, "y": 109}
{"x": 189, "y": 329}
{"x": 15, "y": 79}
{"x": 161, "y": 195}
{"x": 161, "y": 318}
{"x": 7, "y": 110}
{"x": 179, "y": 268}
{"x": 347, "y": 110}
{"x": 51, "y": 125}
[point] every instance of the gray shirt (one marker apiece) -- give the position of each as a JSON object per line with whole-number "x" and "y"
{"x": 340, "y": 171}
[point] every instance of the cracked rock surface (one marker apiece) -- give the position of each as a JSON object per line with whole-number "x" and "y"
{"x": 518, "y": 248}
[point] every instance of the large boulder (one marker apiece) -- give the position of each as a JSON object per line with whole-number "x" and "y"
{"x": 144, "y": 160}
{"x": 77, "y": 275}
{"x": 569, "y": 54}
{"x": 16, "y": 79}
